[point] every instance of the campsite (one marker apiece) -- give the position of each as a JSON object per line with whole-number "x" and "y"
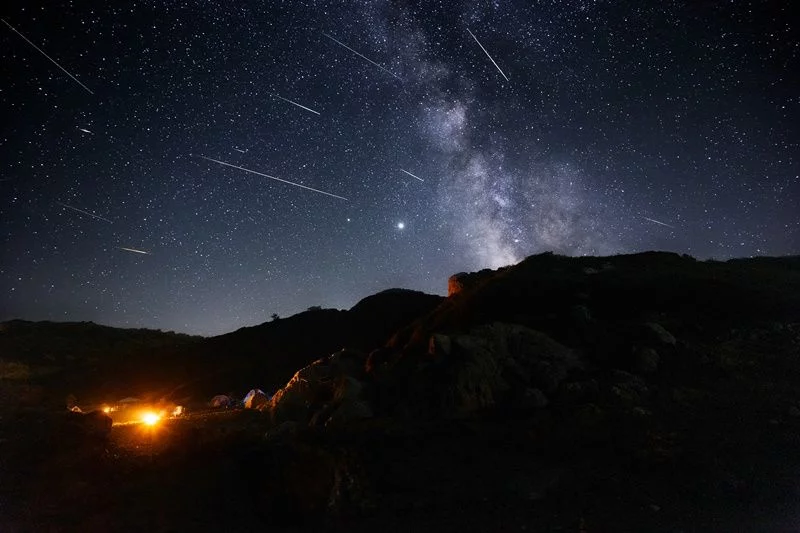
{"x": 649, "y": 392}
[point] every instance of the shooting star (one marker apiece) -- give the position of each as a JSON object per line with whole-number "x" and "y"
{"x": 340, "y": 43}
{"x": 295, "y": 103}
{"x": 659, "y": 222}
{"x": 240, "y": 150}
{"x": 134, "y": 250}
{"x": 271, "y": 177}
{"x": 47, "y": 56}
{"x": 412, "y": 175}
{"x": 487, "y": 54}
{"x": 98, "y": 217}
{"x": 84, "y": 130}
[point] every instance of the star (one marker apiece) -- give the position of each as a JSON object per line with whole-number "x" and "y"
{"x": 493, "y": 133}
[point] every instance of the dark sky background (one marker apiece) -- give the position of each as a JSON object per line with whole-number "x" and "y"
{"x": 621, "y": 127}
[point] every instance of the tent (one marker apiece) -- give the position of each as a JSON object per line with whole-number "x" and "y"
{"x": 221, "y": 400}
{"x": 255, "y": 399}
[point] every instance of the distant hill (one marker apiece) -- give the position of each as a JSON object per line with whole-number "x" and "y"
{"x": 101, "y": 362}
{"x": 268, "y": 355}
{"x": 560, "y": 393}
{"x": 47, "y": 360}
{"x": 544, "y": 292}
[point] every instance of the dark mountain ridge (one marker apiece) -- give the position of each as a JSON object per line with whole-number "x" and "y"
{"x": 645, "y": 392}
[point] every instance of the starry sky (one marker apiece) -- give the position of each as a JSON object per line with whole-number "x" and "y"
{"x": 198, "y": 166}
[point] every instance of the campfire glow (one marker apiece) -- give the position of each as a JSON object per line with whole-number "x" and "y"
{"x": 150, "y": 418}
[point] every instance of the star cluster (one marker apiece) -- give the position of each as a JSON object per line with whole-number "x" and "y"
{"x": 141, "y": 143}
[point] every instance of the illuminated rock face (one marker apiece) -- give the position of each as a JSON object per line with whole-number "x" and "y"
{"x": 328, "y": 390}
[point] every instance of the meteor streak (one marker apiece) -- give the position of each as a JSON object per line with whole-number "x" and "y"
{"x": 412, "y": 175}
{"x": 240, "y": 150}
{"x": 487, "y": 54}
{"x": 134, "y": 250}
{"x": 271, "y": 177}
{"x": 295, "y": 103}
{"x": 47, "y": 56}
{"x": 85, "y": 212}
{"x": 659, "y": 222}
{"x": 362, "y": 56}
{"x": 84, "y": 130}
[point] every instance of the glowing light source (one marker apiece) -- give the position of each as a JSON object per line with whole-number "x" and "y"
{"x": 150, "y": 418}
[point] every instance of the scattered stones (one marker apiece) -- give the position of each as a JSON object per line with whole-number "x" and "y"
{"x": 349, "y": 411}
{"x": 656, "y": 333}
{"x": 645, "y": 361}
{"x": 495, "y": 360}
{"x": 628, "y": 387}
{"x": 534, "y": 399}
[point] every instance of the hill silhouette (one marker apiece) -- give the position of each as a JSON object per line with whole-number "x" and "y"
{"x": 645, "y": 392}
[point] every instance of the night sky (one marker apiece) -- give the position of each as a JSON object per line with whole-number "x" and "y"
{"x": 448, "y": 136}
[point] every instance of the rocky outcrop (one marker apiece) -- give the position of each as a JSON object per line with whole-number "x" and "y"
{"x": 329, "y": 391}
{"x": 496, "y": 363}
{"x": 464, "y": 280}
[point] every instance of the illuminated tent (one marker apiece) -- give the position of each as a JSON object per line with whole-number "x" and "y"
{"x": 221, "y": 400}
{"x": 255, "y": 399}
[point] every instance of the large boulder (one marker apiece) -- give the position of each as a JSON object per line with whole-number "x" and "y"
{"x": 645, "y": 361}
{"x": 320, "y": 387}
{"x": 496, "y": 362}
{"x": 657, "y": 334}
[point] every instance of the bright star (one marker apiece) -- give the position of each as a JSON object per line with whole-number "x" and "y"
{"x": 401, "y": 225}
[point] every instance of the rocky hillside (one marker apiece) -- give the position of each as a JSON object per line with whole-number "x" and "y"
{"x": 649, "y": 392}
{"x": 42, "y": 362}
{"x": 621, "y": 391}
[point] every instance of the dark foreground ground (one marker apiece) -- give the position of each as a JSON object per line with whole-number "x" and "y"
{"x": 647, "y": 393}
{"x": 696, "y": 459}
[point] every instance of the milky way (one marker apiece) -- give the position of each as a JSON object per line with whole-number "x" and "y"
{"x": 374, "y": 146}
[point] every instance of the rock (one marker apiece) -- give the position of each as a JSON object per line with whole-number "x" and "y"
{"x": 439, "y": 346}
{"x": 579, "y": 391}
{"x": 311, "y": 481}
{"x": 347, "y": 388}
{"x": 589, "y": 416}
{"x": 645, "y": 361}
{"x": 657, "y": 334}
{"x": 493, "y": 361}
{"x": 73, "y": 430}
{"x": 320, "y": 386}
{"x": 687, "y": 397}
{"x": 309, "y": 388}
{"x": 465, "y": 280}
{"x": 282, "y": 431}
{"x": 580, "y": 315}
{"x": 534, "y": 399}
{"x": 347, "y": 362}
{"x": 381, "y": 360}
{"x": 349, "y": 411}
{"x": 455, "y": 283}
{"x": 352, "y": 492}
{"x": 97, "y": 424}
{"x": 627, "y": 387}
